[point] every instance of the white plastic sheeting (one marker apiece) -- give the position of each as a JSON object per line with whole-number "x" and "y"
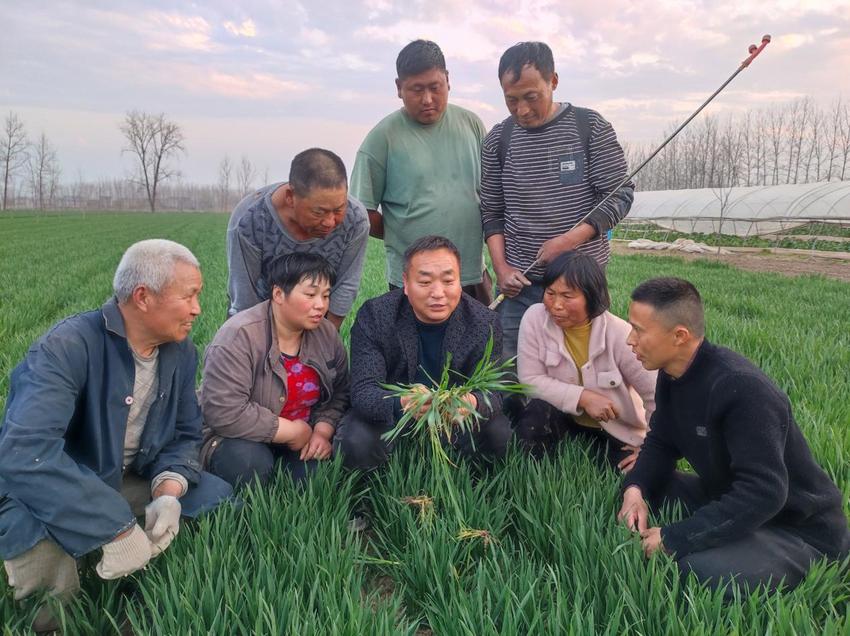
{"x": 747, "y": 211}
{"x": 679, "y": 245}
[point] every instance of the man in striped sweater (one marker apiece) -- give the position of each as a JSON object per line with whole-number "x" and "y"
{"x": 542, "y": 170}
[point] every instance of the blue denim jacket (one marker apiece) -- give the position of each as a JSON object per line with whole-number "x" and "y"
{"x": 62, "y": 440}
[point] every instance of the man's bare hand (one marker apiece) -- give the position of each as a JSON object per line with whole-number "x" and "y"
{"x": 554, "y": 247}
{"x": 634, "y": 512}
{"x": 651, "y": 541}
{"x": 551, "y": 249}
{"x": 511, "y": 281}
{"x": 466, "y": 411}
{"x": 629, "y": 462}
{"x": 407, "y": 402}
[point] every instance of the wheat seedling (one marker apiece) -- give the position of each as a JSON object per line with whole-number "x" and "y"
{"x": 438, "y": 413}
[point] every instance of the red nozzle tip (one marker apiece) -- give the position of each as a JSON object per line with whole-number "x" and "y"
{"x": 765, "y": 38}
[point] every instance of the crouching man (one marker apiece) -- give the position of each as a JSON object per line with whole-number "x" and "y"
{"x": 759, "y": 508}
{"x": 102, "y": 424}
{"x": 404, "y": 337}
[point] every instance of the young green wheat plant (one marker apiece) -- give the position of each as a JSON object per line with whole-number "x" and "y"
{"x": 445, "y": 411}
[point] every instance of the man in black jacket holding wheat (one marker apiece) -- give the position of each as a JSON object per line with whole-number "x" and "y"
{"x": 405, "y": 337}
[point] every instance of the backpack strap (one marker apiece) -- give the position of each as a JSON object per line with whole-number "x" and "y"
{"x": 583, "y": 125}
{"x": 505, "y": 139}
{"x": 582, "y": 116}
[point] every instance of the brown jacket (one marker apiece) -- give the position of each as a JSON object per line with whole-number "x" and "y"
{"x": 244, "y": 385}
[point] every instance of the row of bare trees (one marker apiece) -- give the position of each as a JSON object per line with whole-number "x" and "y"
{"x": 243, "y": 178}
{"x": 794, "y": 142}
{"x": 36, "y": 163}
{"x": 154, "y": 141}
{"x": 30, "y": 172}
{"x": 123, "y": 194}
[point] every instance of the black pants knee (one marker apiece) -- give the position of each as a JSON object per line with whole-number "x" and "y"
{"x": 359, "y": 440}
{"x": 238, "y": 461}
{"x": 766, "y": 556}
{"x": 541, "y": 427}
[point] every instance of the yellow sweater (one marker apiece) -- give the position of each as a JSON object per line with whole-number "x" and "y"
{"x": 577, "y": 341}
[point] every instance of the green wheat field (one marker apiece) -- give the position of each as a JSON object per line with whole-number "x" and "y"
{"x": 286, "y": 563}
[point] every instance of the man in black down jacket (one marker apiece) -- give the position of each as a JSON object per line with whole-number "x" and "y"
{"x": 404, "y": 337}
{"x": 759, "y": 508}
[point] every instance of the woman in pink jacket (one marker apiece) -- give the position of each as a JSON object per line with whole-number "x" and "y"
{"x": 585, "y": 380}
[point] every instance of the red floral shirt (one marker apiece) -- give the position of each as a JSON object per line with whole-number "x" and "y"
{"x": 303, "y": 388}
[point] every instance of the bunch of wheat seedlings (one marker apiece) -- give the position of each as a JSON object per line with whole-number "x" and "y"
{"x": 439, "y": 413}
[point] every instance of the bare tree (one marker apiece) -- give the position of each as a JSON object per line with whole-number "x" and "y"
{"x": 245, "y": 176}
{"x": 776, "y": 130}
{"x": 44, "y": 172}
{"x": 730, "y": 149}
{"x": 153, "y": 140}
{"x": 844, "y": 141}
{"x": 759, "y": 127}
{"x": 13, "y": 151}
{"x": 793, "y": 129}
{"x": 225, "y": 170}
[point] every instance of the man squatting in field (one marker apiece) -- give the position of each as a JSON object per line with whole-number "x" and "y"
{"x": 542, "y": 170}
{"x": 422, "y": 166}
{"x": 404, "y": 336}
{"x": 102, "y": 424}
{"x": 759, "y": 508}
{"x": 313, "y": 213}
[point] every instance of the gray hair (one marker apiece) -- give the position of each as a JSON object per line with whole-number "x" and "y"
{"x": 149, "y": 263}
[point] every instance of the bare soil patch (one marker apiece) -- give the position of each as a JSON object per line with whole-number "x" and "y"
{"x": 787, "y": 262}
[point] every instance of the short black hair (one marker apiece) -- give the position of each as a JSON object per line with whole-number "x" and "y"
{"x": 316, "y": 168}
{"x": 287, "y": 270}
{"x": 676, "y": 300}
{"x": 581, "y": 272}
{"x": 419, "y": 56}
{"x": 537, "y": 54}
{"x": 429, "y": 244}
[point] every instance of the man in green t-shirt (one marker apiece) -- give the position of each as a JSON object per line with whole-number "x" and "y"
{"x": 421, "y": 165}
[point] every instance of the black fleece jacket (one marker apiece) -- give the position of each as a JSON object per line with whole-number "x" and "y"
{"x": 735, "y": 427}
{"x": 385, "y": 350}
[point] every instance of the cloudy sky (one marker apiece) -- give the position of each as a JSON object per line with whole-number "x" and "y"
{"x": 267, "y": 79}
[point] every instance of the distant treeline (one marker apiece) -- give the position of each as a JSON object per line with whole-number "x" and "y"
{"x": 794, "y": 142}
{"x": 125, "y": 195}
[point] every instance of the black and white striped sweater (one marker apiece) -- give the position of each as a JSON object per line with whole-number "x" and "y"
{"x": 544, "y": 189}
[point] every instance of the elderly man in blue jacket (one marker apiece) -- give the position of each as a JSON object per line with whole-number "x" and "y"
{"x": 101, "y": 425}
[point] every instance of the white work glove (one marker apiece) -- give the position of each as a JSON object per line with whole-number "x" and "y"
{"x": 162, "y": 522}
{"x": 124, "y": 556}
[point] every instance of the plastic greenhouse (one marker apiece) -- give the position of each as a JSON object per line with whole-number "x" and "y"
{"x": 746, "y": 211}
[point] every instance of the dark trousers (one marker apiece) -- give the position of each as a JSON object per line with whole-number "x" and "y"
{"x": 202, "y": 497}
{"x": 541, "y": 427}
{"x": 238, "y": 461}
{"x": 766, "y": 556}
{"x": 482, "y": 292}
{"x": 359, "y": 441}
{"x": 511, "y": 311}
